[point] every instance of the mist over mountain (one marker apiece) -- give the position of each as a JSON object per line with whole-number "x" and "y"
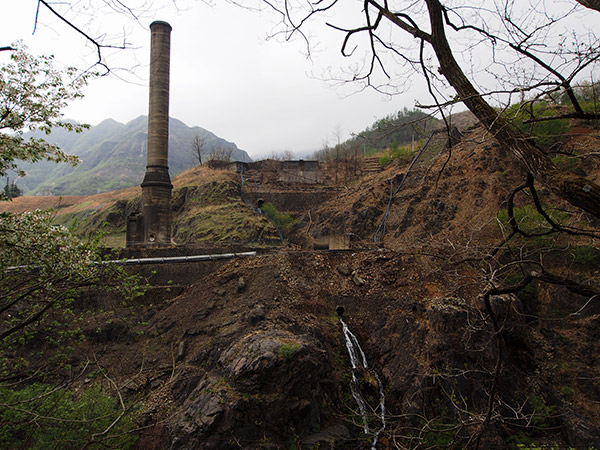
{"x": 113, "y": 156}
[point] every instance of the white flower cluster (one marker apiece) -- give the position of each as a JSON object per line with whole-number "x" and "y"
{"x": 31, "y": 239}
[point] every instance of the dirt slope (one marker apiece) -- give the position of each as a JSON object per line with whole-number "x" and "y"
{"x": 447, "y": 198}
{"x": 207, "y": 209}
{"x": 249, "y": 353}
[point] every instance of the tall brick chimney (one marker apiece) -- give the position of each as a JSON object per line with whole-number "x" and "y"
{"x": 156, "y": 187}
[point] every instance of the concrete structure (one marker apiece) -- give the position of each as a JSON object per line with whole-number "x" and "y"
{"x": 156, "y": 187}
{"x": 135, "y": 230}
{"x": 303, "y": 172}
{"x": 333, "y": 242}
{"x": 273, "y": 171}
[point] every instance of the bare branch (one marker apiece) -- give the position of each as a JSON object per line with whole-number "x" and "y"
{"x": 99, "y": 46}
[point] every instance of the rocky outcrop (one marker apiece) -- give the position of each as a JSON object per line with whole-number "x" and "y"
{"x": 266, "y": 366}
{"x": 265, "y": 387}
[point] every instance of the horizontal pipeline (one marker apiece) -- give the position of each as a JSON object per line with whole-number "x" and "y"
{"x": 177, "y": 259}
{"x": 165, "y": 260}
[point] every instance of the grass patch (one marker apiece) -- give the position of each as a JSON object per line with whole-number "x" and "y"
{"x": 404, "y": 154}
{"x": 529, "y": 220}
{"x": 115, "y": 240}
{"x": 222, "y": 223}
{"x": 527, "y": 293}
{"x": 565, "y": 162}
{"x": 288, "y": 351}
{"x": 283, "y": 220}
{"x": 584, "y": 255}
{"x": 545, "y": 133}
{"x": 69, "y": 219}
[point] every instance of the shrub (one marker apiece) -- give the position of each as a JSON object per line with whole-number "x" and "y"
{"x": 283, "y": 220}
{"x": 384, "y": 160}
{"x": 40, "y": 417}
{"x": 403, "y": 154}
{"x": 287, "y": 351}
{"x": 584, "y": 255}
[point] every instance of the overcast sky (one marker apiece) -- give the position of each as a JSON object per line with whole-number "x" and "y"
{"x": 226, "y": 75}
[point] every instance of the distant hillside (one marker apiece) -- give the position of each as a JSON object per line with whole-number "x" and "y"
{"x": 397, "y": 129}
{"x": 113, "y": 157}
{"x": 403, "y": 128}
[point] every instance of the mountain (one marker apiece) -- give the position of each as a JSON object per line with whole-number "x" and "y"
{"x": 113, "y": 156}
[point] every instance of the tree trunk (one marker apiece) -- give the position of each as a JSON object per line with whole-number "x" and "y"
{"x": 591, "y": 4}
{"x": 575, "y": 189}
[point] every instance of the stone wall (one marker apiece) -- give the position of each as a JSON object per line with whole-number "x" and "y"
{"x": 292, "y": 201}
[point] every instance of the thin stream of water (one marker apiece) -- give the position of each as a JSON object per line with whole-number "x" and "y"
{"x": 358, "y": 361}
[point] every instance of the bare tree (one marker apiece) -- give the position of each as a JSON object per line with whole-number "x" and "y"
{"x": 84, "y": 18}
{"x": 531, "y": 53}
{"x": 337, "y": 134}
{"x": 221, "y": 154}
{"x": 198, "y": 148}
{"x": 527, "y": 53}
{"x": 592, "y": 4}
{"x": 69, "y": 14}
{"x": 323, "y": 154}
{"x": 553, "y": 60}
{"x": 554, "y": 63}
{"x": 285, "y": 155}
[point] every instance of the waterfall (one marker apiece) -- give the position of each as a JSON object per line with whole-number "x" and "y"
{"x": 354, "y": 349}
{"x": 358, "y": 361}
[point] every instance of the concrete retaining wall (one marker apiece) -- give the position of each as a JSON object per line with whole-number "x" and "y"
{"x": 292, "y": 201}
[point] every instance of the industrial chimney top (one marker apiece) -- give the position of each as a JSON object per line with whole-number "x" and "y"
{"x": 160, "y": 22}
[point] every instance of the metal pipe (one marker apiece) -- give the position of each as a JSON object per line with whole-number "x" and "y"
{"x": 177, "y": 259}
{"x": 140, "y": 261}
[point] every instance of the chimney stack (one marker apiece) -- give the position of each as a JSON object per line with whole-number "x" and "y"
{"x": 156, "y": 187}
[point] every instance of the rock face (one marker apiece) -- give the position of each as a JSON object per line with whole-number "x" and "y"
{"x": 273, "y": 384}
